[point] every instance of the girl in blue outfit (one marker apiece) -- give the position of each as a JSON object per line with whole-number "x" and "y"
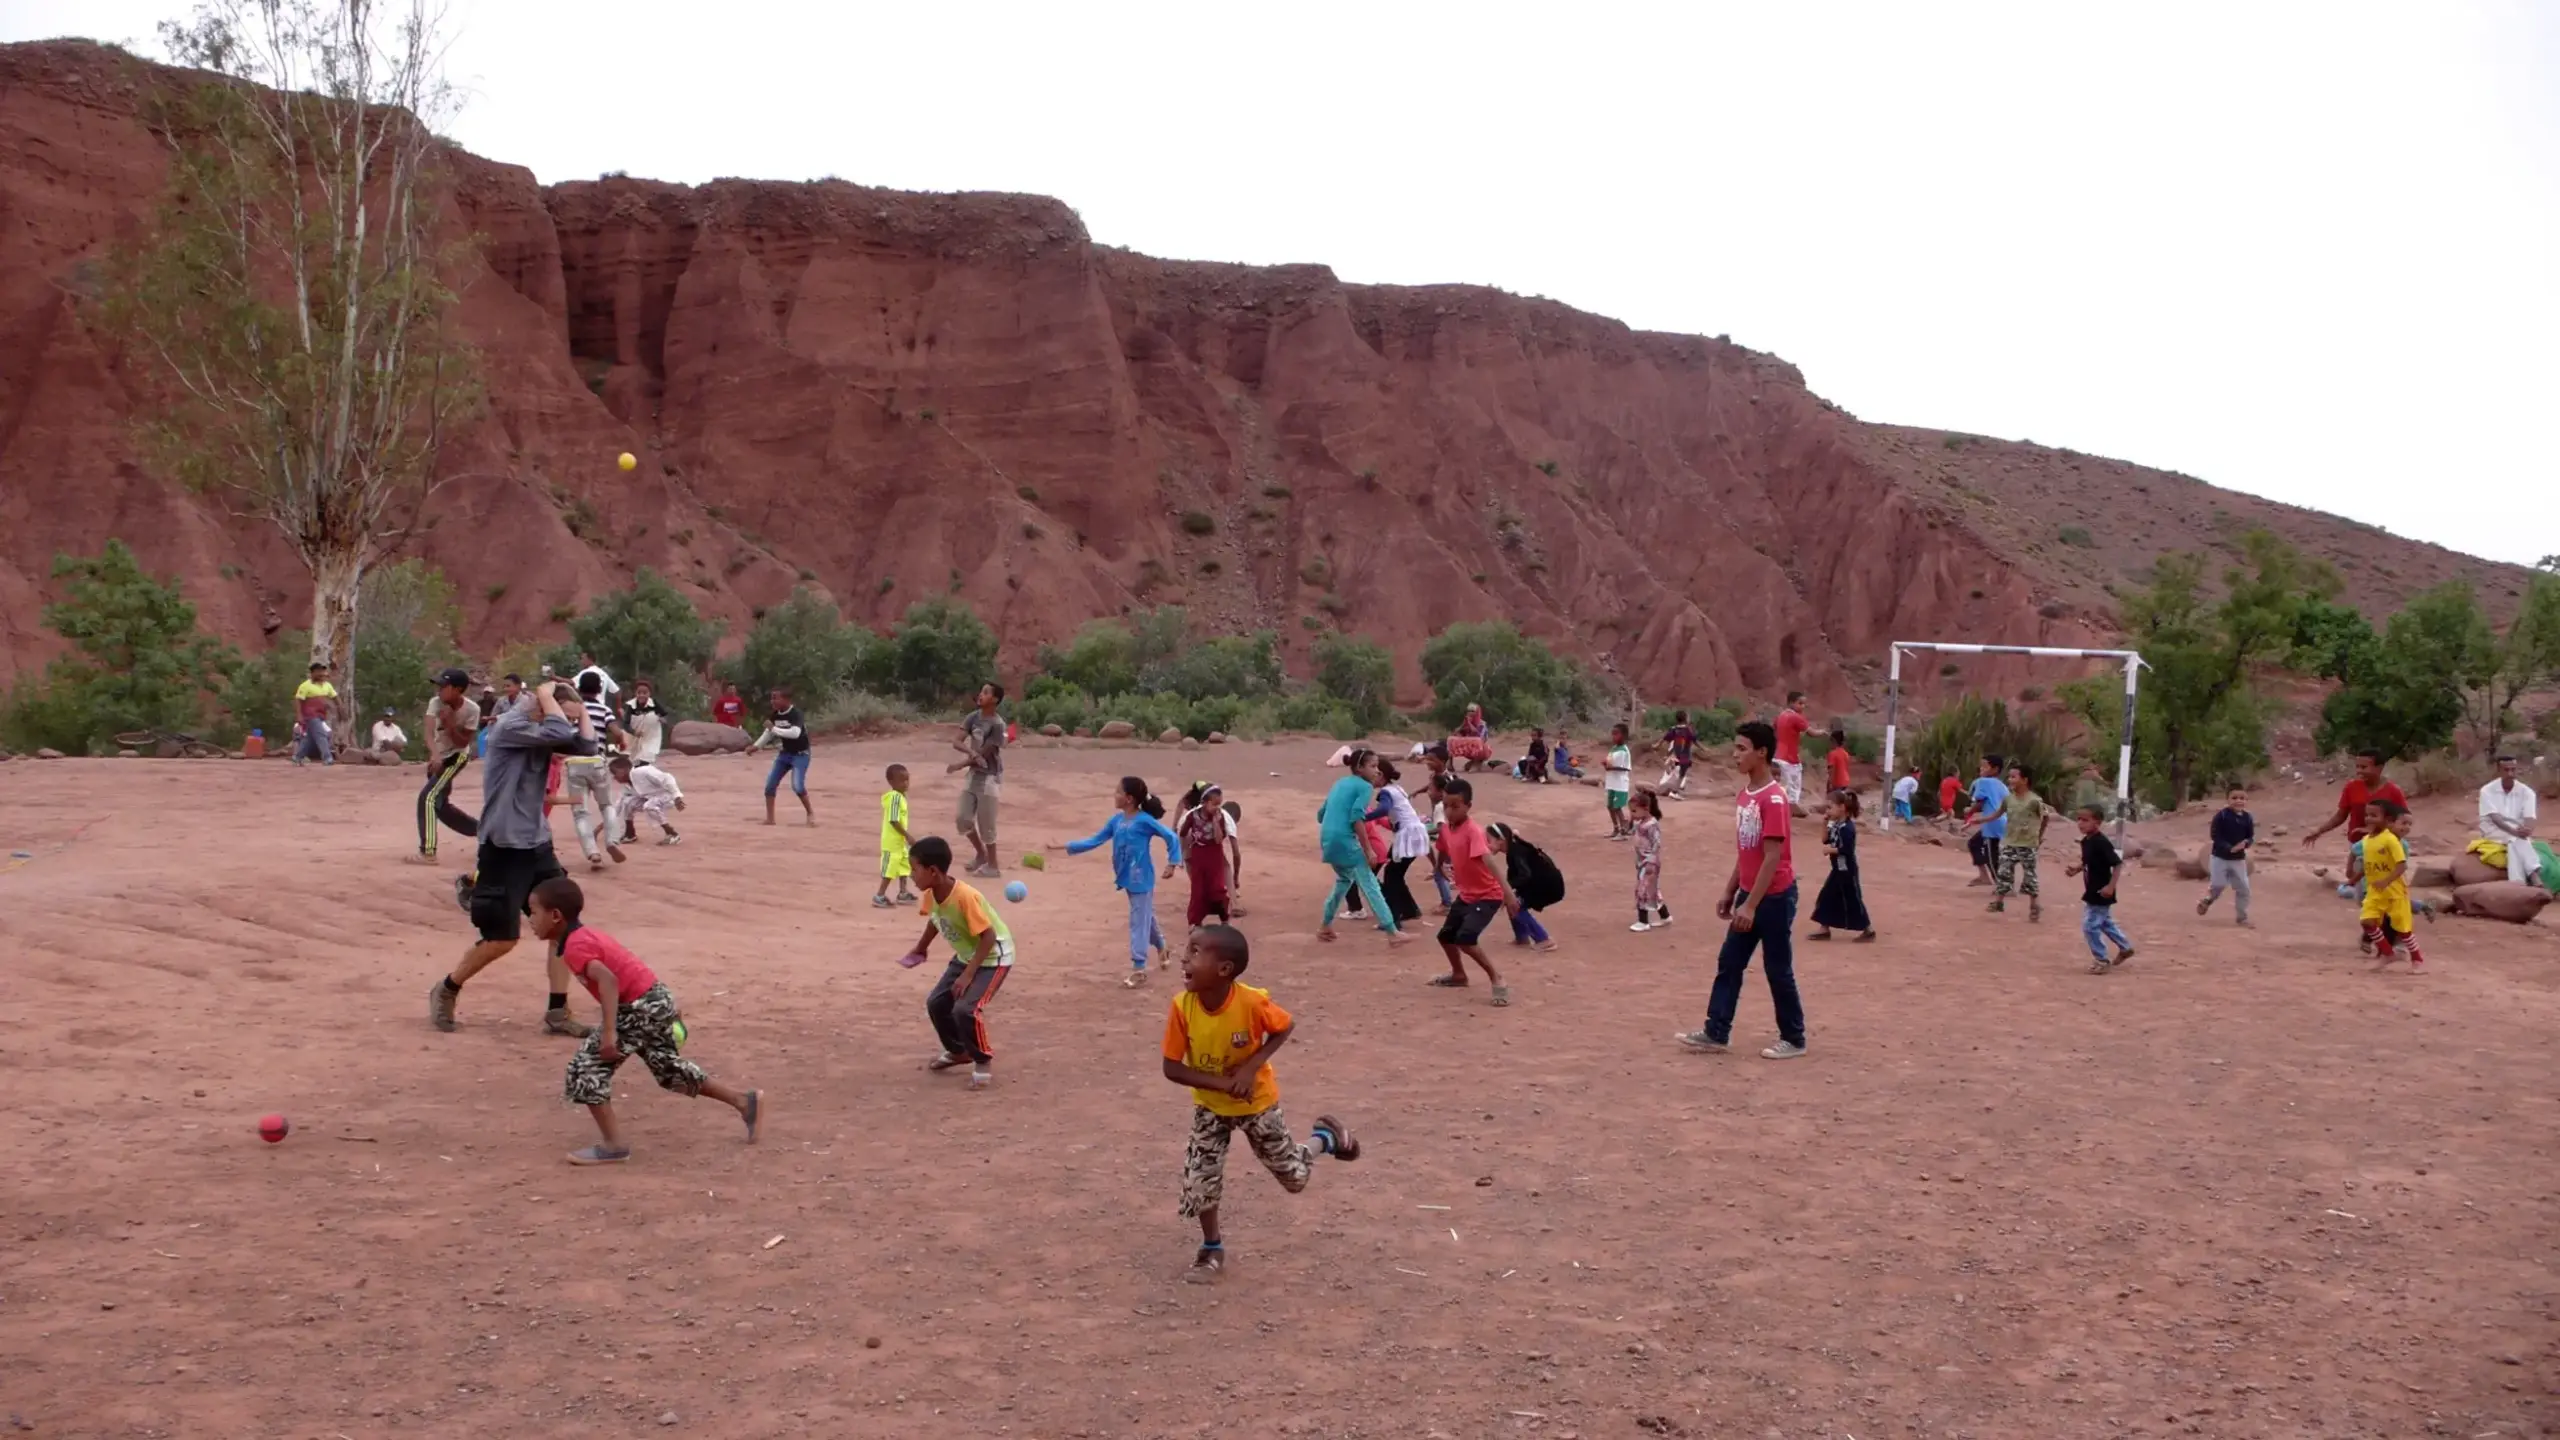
{"x": 1344, "y": 806}
{"x": 1135, "y": 821}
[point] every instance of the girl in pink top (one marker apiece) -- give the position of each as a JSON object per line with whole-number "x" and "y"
{"x": 640, "y": 1018}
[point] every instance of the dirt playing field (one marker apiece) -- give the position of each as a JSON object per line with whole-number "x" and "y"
{"x": 2243, "y": 1187}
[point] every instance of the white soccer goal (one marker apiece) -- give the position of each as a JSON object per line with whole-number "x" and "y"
{"x": 2133, "y": 665}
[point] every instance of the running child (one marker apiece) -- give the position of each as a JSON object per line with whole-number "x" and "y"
{"x": 1482, "y": 891}
{"x": 1837, "y": 759}
{"x": 895, "y": 842}
{"x": 1219, "y": 1037}
{"x": 1681, "y": 740}
{"x": 646, "y": 790}
{"x": 2385, "y": 914}
{"x": 1986, "y": 821}
{"x": 1645, "y": 823}
{"x": 1617, "y": 777}
{"x": 2023, "y": 811}
{"x": 1949, "y": 789}
{"x": 1906, "y": 793}
{"x": 1408, "y": 840}
{"x": 788, "y": 732}
{"x": 1535, "y": 882}
{"x": 2233, "y": 831}
{"x": 1133, "y": 824}
{"x": 640, "y": 1018}
{"x": 981, "y": 958}
{"x": 1210, "y": 851}
{"x": 1842, "y": 904}
{"x": 2098, "y": 868}
{"x": 1338, "y": 833}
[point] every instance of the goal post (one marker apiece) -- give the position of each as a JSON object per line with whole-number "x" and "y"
{"x": 2133, "y": 665}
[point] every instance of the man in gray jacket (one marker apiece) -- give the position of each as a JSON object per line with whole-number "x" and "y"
{"x": 515, "y": 847}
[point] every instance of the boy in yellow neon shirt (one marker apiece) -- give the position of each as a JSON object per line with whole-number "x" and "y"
{"x": 1219, "y": 1038}
{"x": 894, "y": 841}
{"x": 2386, "y": 915}
{"x": 313, "y": 699}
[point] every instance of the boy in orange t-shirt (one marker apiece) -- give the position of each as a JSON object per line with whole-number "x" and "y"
{"x": 1219, "y": 1038}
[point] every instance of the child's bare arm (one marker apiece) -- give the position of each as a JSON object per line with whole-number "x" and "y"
{"x": 1181, "y": 1074}
{"x": 1238, "y": 1081}
{"x": 608, "y": 995}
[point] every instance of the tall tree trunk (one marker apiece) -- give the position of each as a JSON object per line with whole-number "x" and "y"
{"x": 335, "y": 577}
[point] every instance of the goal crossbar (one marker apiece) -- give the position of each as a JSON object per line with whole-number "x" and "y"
{"x": 2131, "y": 660}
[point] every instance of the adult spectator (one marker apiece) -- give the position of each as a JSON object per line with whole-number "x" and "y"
{"x": 2507, "y": 813}
{"x": 2369, "y": 784}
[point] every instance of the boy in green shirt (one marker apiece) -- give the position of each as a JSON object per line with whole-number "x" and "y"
{"x": 2026, "y": 812}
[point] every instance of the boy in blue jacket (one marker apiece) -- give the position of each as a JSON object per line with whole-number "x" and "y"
{"x": 1135, "y": 820}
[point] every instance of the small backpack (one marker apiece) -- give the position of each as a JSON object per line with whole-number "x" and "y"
{"x": 1534, "y": 876}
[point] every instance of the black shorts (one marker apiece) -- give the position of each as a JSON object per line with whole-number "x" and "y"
{"x": 1467, "y": 919}
{"x": 502, "y": 887}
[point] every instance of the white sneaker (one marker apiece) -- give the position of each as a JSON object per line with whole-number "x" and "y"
{"x": 980, "y": 1079}
{"x": 1665, "y": 920}
{"x": 1701, "y": 1042}
{"x": 1782, "y": 1051}
{"x": 1639, "y": 927}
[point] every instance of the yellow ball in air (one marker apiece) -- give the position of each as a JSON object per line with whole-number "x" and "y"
{"x": 628, "y": 461}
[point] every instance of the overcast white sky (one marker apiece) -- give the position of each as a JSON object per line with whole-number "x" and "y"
{"x": 2307, "y": 250}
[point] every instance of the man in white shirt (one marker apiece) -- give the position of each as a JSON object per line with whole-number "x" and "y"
{"x": 2507, "y": 809}
{"x": 587, "y": 666}
{"x": 387, "y": 734}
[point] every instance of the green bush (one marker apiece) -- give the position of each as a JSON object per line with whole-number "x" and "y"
{"x": 138, "y": 662}
{"x": 1199, "y": 522}
{"x": 2077, "y": 537}
{"x": 806, "y": 646}
{"x": 1359, "y": 675}
{"x": 1953, "y": 742}
{"x": 1102, "y": 659}
{"x": 1244, "y": 665}
{"x": 649, "y": 631}
{"x": 259, "y": 695}
{"x": 941, "y": 653}
{"x": 1517, "y": 680}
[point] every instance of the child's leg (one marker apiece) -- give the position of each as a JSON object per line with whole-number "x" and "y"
{"x": 1375, "y": 897}
{"x": 2094, "y": 923}
{"x": 2004, "y": 875}
{"x": 1470, "y": 921}
{"x": 800, "y": 785}
{"x": 2027, "y": 877}
{"x": 1333, "y": 901}
{"x": 1440, "y": 882}
{"x": 1204, "y": 1170}
{"x": 589, "y": 1082}
{"x": 1289, "y": 1162}
{"x": 1526, "y": 929}
{"x": 938, "y": 1008}
{"x": 773, "y": 782}
{"x": 968, "y": 1015}
{"x": 1142, "y": 924}
{"x": 2240, "y": 891}
{"x": 2115, "y": 932}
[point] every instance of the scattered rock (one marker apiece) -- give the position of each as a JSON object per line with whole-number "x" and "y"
{"x": 1054, "y": 732}
{"x": 2281, "y": 831}
{"x": 669, "y": 1418}
{"x": 1189, "y": 743}
{"x": 1117, "y": 730}
{"x": 871, "y": 1342}
{"x": 703, "y": 737}
{"x": 1217, "y": 737}
{"x": 1171, "y": 736}
{"x": 2431, "y": 874}
{"x": 2468, "y": 869}
{"x": 128, "y": 754}
{"x": 48, "y": 753}
{"x": 2502, "y": 899}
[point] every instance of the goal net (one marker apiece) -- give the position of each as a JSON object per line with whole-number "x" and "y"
{"x": 2130, "y": 659}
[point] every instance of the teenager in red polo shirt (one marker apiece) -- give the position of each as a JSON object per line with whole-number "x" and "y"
{"x": 2368, "y": 785}
{"x": 1789, "y": 754}
{"x": 1759, "y": 904}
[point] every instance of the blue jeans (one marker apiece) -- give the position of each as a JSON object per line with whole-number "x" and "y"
{"x": 1143, "y": 934}
{"x": 1440, "y": 882}
{"x": 1902, "y": 811}
{"x": 2098, "y": 926}
{"x": 795, "y": 766}
{"x": 1525, "y": 926}
{"x": 1346, "y": 876}
{"x": 314, "y": 744}
{"x": 1772, "y": 933}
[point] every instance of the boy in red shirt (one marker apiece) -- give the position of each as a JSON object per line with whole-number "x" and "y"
{"x": 2368, "y": 786}
{"x": 729, "y": 709}
{"x": 640, "y": 1018}
{"x": 1759, "y": 905}
{"x": 1482, "y": 891}
{"x": 1219, "y": 1039}
{"x": 1838, "y": 759}
{"x": 1948, "y": 790}
{"x": 1789, "y": 752}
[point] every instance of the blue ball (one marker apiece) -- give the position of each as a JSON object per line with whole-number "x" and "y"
{"x": 1016, "y": 891}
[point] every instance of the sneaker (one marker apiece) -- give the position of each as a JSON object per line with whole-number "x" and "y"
{"x": 1996, "y": 906}
{"x": 1136, "y": 978}
{"x": 2035, "y": 912}
{"x": 1665, "y": 920}
{"x": 671, "y": 838}
{"x": 2099, "y": 966}
{"x": 879, "y": 902}
{"x": 1640, "y": 927}
{"x": 1208, "y": 1264}
{"x": 1783, "y": 1050}
{"x": 1501, "y": 994}
{"x": 1701, "y": 1042}
{"x": 2417, "y": 966}
{"x": 2122, "y": 956}
{"x": 1344, "y": 1146}
{"x": 615, "y": 850}
{"x": 2364, "y": 946}
{"x": 440, "y": 1004}
{"x": 980, "y": 1078}
{"x": 561, "y": 1022}
{"x": 2203, "y": 905}
{"x": 599, "y": 1155}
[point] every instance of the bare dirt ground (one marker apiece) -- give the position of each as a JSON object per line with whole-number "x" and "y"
{"x": 2244, "y": 1187}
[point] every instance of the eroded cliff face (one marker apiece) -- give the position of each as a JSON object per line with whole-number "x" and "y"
{"x": 897, "y": 396}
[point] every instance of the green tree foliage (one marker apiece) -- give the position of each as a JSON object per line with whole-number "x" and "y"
{"x": 806, "y": 646}
{"x": 138, "y": 662}
{"x": 1102, "y": 659}
{"x": 940, "y": 653}
{"x": 405, "y": 632}
{"x": 2524, "y": 659}
{"x": 1954, "y": 740}
{"x": 648, "y": 632}
{"x": 1358, "y": 674}
{"x": 1244, "y": 666}
{"x": 259, "y": 695}
{"x": 2405, "y": 694}
{"x": 1490, "y": 663}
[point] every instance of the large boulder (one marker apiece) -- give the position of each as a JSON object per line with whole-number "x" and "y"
{"x": 1117, "y": 730}
{"x": 1170, "y": 736}
{"x": 2470, "y": 869}
{"x": 1054, "y": 732}
{"x": 704, "y": 737}
{"x": 1217, "y": 737}
{"x": 2432, "y": 874}
{"x": 47, "y": 752}
{"x": 2506, "y": 900}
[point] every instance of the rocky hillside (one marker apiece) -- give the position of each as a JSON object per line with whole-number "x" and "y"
{"x": 896, "y": 395}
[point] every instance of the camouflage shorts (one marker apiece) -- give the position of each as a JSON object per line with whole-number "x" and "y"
{"x": 1204, "y": 1164}
{"x": 646, "y": 1026}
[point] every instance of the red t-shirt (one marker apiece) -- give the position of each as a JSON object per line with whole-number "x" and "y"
{"x": 587, "y": 948}
{"x": 1948, "y": 790}
{"x": 1839, "y": 760}
{"x": 1470, "y": 861}
{"x": 2355, "y": 797}
{"x": 1759, "y": 814}
{"x": 729, "y": 710}
{"x": 1791, "y": 728}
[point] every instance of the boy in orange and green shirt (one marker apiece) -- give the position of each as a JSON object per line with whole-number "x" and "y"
{"x": 1219, "y": 1038}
